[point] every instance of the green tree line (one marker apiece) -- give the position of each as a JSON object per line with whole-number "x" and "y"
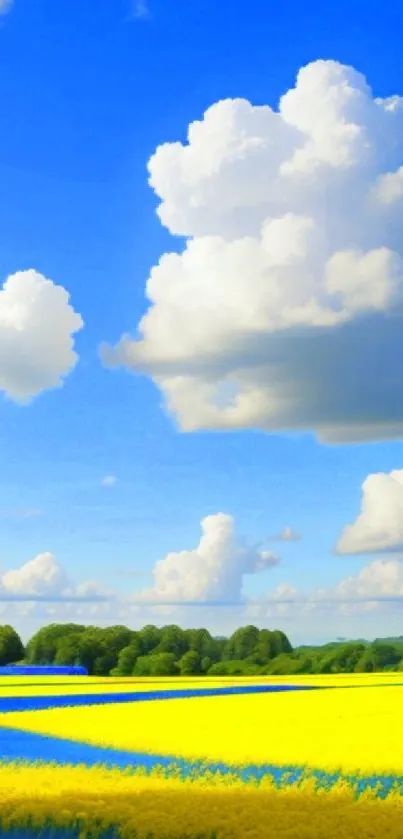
{"x": 171, "y": 651}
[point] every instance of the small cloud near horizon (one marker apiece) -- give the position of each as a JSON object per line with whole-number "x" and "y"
{"x": 109, "y": 481}
{"x": 21, "y": 514}
{"x": 50, "y": 598}
{"x": 140, "y": 9}
{"x": 5, "y": 6}
{"x": 287, "y": 534}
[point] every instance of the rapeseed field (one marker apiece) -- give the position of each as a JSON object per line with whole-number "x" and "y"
{"x": 325, "y": 763}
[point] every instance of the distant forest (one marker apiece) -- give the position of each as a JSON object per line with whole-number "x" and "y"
{"x": 171, "y": 651}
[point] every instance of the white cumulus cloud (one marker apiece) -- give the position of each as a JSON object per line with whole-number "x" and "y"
{"x": 377, "y": 587}
{"x": 379, "y": 579}
{"x": 37, "y": 325}
{"x": 379, "y": 525}
{"x": 44, "y": 578}
{"x": 42, "y": 575}
{"x": 365, "y": 604}
{"x": 291, "y": 277}
{"x": 213, "y": 571}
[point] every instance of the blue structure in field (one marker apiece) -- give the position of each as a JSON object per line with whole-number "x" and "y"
{"x": 26, "y": 670}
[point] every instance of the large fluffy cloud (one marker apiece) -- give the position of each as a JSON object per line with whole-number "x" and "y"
{"x": 291, "y": 278}
{"x": 213, "y": 571}
{"x": 379, "y": 525}
{"x": 37, "y": 325}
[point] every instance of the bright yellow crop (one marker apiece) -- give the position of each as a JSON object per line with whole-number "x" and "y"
{"x": 106, "y": 685}
{"x": 153, "y": 806}
{"x": 72, "y": 685}
{"x": 343, "y": 729}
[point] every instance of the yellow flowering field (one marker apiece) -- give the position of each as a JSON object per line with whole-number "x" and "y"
{"x": 93, "y": 685}
{"x": 75, "y": 685}
{"x": 317, "y": 764}
{"x": 346, "y": 729}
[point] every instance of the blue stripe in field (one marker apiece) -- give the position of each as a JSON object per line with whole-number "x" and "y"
{"x": 42, "y": 670}
{"x": 54, "y": 832}
{"x": 26, "y": 747}
{"x": 50, "y": 833}
{"x": 38, "y": 703}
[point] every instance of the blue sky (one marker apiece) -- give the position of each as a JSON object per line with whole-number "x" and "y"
{"x": 89, "y": 91}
